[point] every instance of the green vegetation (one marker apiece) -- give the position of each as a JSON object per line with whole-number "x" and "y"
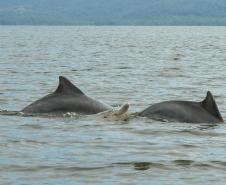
{"x": 113, "y": 12}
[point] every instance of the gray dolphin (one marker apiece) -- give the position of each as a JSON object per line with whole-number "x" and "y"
{"x": 66, "y": 98}
{"x": 205, "y": 111}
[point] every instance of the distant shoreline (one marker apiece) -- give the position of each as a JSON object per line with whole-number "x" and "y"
{"x": 116, "y": 25}
{"x": 113, "y": 13}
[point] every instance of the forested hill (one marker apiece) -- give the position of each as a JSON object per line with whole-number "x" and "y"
{"x": 113, "y": 12}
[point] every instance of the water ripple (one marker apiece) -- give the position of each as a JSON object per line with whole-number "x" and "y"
{"x": 139, "y": 65}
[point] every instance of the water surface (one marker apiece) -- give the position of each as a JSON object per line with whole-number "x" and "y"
{"x": 138, "y": 65}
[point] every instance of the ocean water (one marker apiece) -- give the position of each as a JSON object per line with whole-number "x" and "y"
{"x": 135, "y": 65}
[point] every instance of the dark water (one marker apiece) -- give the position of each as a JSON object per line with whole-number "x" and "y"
{"x": 139, "y": 65}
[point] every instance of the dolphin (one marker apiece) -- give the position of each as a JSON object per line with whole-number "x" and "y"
{"x": 66, "y": 98}
{"x": 117, "y": 115}
{"x": 205, "y": 111}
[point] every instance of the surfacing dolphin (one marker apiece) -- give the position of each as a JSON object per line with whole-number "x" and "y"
{"x": 117, "y": 115}
{"x": 205, "y": 111}
{"x": 66, "y": 98}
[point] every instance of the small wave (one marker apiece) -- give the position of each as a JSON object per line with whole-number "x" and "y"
{"x": 10, "y": 113}
{"x": 166, "y": 165}
{"x": 183, "y": 162}
{"x": 44, "y": 115}
{"x": 140, "y": 165}
{"x": 190, "y": 146}
{"x": 124, "y": 67}
{"x": 201, "y": 164}
{"x": 27, "y": 142}
{"x": 30, "y": 168}
{"x": 32, "y": 126}
{"x": 200, "y": 133}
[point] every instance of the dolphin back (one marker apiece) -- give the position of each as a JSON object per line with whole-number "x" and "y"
{"x": 185, "y": 111}
{"x": 66, "y": 98}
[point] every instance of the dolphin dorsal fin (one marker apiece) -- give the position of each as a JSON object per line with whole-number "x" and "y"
{"x": 65, "y": 86}
{"x": 210, "y": 105}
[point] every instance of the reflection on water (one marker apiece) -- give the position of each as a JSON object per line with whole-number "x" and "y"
{"x": 138, "y": 65}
